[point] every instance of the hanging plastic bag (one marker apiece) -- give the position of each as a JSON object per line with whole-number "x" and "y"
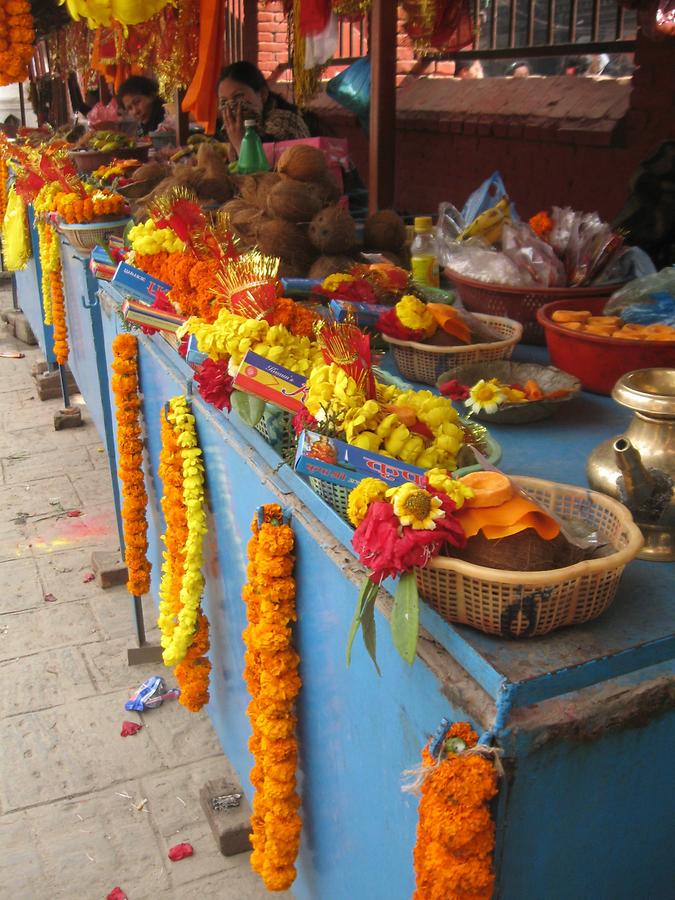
{"x": 485, "y": 197}
{"x": 351, "y": 89}
{"x": 15, "y": 237}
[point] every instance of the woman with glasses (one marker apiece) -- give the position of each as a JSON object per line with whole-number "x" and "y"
{"x": 243, "y": 94}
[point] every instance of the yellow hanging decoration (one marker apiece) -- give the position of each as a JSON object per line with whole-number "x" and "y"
{"x": 15, "y": 238}
{"x": 103, "y": 12}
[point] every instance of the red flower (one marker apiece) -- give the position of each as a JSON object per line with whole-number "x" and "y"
{"x": 454, "y": 390}
{"x": 215, "y": 384}
{"x": 130, "y": 728}
{"x": 304, "y": 420}
{"x": 360, "y": 291}
{"x": 390, "y": 550}
{"x": 180, "y": 851}
{"x": 389, "y": 324}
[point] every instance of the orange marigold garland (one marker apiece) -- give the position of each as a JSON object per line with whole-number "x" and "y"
{"x": 272, "y": 677}
{"x": 193, "y": 671}
{"x": 455, "y": 832}
{"x": 130, "y": 461}
{"x": 16, "y": 40}
{"x": 58, "y": 308}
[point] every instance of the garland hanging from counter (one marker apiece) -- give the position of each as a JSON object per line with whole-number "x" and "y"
{"x": 16, "y": 38}
{"x": 52, "y": 288}
{"x": 455, "y": 832}
{"x": 272, "y": 678}
{"x": 184, "y": 626}
{"x": 130, "y": 462}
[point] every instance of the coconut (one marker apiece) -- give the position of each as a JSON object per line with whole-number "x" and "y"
{"x": 265, "y": 182}
{"x": 210, "y": 188}
{"x": 152, "y": 172}
{"x": 291, "y": 270}
{"x": 329, "y": 265}
{"x": 294, "y": 201}
{"x": 333, "y": 231}
{"x": 248, "y": 188}
{"x": 525, "y": 551}
{"x": 330, "y": 188}
{"x": 243, "y": 217}
{"x": 212, "y": 161}
{"x": 384, "y": 230}
{"x": 283, "y": 239}
{"x": 303, "y": 163}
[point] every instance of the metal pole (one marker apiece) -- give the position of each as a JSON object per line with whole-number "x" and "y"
{"x": 382, "y": 148}
{"x": 64, "y": 386}
{"x": 22, "y": 105}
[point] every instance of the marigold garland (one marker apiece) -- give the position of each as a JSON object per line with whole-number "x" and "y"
{"x": 179, "y": 608}
{"x": 272, "y": 678}
{"x": 192, "y": 673}
{"x": 16, "y": 40}
{"x": 455, "y": 832}
{"x": 52, "y": 289}
{"x": 4, "y": 175}
{"x": 130, "y": 461}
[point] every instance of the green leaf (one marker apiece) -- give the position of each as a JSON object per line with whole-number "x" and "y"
{"x": 368, "y": 627}
{"x": 249, "y": 408}
{"x": 364, "y": 616}
{"x": 356, "y": 620}
{"x": 405, "y": 617}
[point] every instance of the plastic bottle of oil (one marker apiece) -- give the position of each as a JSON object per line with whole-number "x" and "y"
{"x": 424, "y": 253}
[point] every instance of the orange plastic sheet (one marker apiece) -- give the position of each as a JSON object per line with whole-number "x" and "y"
{"x": 515, "y": 515}
{"x": 200, "y": 98}
{"x": 450, "y": 321}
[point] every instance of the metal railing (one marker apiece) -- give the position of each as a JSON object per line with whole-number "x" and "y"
{"x": 515, "y": 28}
{"x": 234, "y": 30}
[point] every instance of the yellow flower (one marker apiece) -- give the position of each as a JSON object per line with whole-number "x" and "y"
{"x": 413, "y": 313}
{"x": 415, "y": 507}
{"x": 441, "y": 480}
{"x": 333, "y": 282}
{"x": 360, "y": 498}
{"x": 485, "y": 396}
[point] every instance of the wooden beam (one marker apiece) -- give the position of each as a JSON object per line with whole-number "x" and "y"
{"x": 249, "y": 32}
{"x": 182, "y": 120}
{"x": 382, "y": 149}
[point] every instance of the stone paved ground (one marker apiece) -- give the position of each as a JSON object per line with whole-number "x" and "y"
{"x": 81, "y": 808}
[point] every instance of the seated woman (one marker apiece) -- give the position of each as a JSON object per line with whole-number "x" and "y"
{"x": 243, "y": 94}
{"x": 139, "y": 97}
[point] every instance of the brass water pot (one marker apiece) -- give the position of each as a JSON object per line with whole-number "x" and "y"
{"x": 638, "y": 467}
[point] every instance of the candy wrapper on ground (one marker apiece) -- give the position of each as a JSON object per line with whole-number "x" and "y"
{"x": 151, "y": 693}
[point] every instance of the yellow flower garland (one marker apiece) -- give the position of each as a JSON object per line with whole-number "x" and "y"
{"x": 193, "y": 672}
{"x": 272, "y": 678}
{"x": 130, "y": 462}
{"x": 179, "y": 625}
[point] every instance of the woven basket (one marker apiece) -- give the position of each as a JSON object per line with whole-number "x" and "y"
{"x": 526, "y": 604}
{"x": 519, "y": 303}
{"x": 425, "y": 362}
{"x": 85, "y": 237}
{"x": 87, "y": 161}
{"x": 276, "y": 427}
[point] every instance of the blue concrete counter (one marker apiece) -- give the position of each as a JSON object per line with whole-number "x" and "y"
{"x": 583, "y": 715}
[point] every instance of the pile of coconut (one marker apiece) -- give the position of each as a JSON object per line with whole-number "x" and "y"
{"x": 209, "y": 178}
{"x": 293, "y": 213}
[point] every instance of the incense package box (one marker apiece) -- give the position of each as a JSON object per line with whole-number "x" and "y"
{"x": 141, "y": 314}
{"x": 270, "y": 382}
{"x": 138, "y": 284}
{"x": 337, "y": 462}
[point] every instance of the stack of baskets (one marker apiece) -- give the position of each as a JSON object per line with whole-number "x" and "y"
{"x": 425, "y": 362}
{"x": 519, "y": 303}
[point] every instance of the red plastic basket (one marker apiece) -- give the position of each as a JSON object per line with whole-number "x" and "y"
{"x": 598, "y": 362}
{"x": 520, "y": 303}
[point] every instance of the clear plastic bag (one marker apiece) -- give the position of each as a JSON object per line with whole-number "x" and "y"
{"x": 641, "y": 291}
{"x": 474, "y": 260}
{"x": 532, "y": 255}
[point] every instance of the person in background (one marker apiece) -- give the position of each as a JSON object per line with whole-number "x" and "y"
{"x": 469, "y": 69}
{"x": 243, "y": 94}
{"x": 519, "y": 69}
{"x": 139, "y": 97}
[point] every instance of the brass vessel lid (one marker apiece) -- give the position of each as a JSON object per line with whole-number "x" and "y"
{"x": 647, "y": 391}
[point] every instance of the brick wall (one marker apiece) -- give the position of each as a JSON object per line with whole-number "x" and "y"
{"x": 569, "y": 142}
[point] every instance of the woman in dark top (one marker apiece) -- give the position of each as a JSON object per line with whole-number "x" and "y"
{"x": 139, "y": 97}
{"x": 243, "y": 94}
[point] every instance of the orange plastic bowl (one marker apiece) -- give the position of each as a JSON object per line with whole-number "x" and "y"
{"x": 598, "y": 362}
